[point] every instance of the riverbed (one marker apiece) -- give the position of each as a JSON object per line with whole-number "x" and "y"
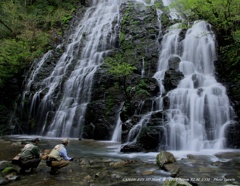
{"x": 98, "y": 163}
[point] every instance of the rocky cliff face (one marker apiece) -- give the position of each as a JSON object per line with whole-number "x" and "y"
{"x": 228, "y": 77}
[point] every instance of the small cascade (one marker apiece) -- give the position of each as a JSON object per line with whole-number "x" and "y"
{"x": 170, "y": 46}
{"x": 173, "y": 13}
{"x": 116, "y": 137}
{"x": 143, "y": 70}
{"x": 117, "y": 133}
{"x": 35, "y": 68}
{"x": 135, "y": 131}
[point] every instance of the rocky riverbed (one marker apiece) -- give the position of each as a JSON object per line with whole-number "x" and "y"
{"x": 98, "y": 170}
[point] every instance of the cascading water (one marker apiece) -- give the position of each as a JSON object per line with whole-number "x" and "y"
{"x": 199, "y": 108}
{"x": 73, "y": 74}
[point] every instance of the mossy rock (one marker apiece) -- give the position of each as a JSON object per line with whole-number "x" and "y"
{"x": 164, "y": 158}
{"x": 8, "y": 170}
{"x": 176, "y": 183}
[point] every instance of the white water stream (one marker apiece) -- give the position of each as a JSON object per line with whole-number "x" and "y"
{"x": 95, "y": 31}
{"x": 93, "y": 38}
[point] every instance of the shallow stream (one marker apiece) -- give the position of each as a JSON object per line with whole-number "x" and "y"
{"x": 101, "y": 163}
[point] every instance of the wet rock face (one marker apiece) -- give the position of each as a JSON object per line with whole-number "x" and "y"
{"x": 134, "y": 147}
{"x": 172, "y": 79}
{"x": 151, "y": 137}
{"x": 233, "y": 135}
{"x": 226, "y": 74}
{"x": 139, "y": 35}
{"x": 172, "y": 75}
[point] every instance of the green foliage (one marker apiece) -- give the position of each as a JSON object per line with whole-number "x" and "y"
{"x": 66, "y": 19}
{"x": 126, "y": 19}
{"x": 122, "y": 37}
{"x": 141, "y": 88}
{"x": 142, "y": 84}
{"x": 25, "y": 30}
{"x": 236, "y": 36}
{"x": 11, "y": 63}
{"x": 224, "y": 16}
{"x": 158, "y": 4}
{"x": 118, "y": 66}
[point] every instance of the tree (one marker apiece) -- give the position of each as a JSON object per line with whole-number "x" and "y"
{"x": 224, "y": 16}
{"x": 11, "y": 64}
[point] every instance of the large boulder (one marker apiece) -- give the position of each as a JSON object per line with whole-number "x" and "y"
{"x": 151, "y": 137}
{"x": 132, "y": 147}
{"x": 173, "y": 63}
{"x": 172, "y": 168}
{"x": 172, "y": 75}
{"x": 164, "y": 158}
{"x": 167, "y": 161}
{"x": 172, "y": 79}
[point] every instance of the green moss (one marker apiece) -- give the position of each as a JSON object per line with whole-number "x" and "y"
{"x": 137, "y": 22}
{"x": 8, "y": 170}
{"x": 141, "y": 89}
{"x": 158, "y": 4}
{"x": 122, "y": 37}
{"x": 112, "y": 96}
{"x": 126, "y": 18}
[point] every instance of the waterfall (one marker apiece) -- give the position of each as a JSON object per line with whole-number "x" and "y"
{"x": 117, "y": 131}
{"x": 198, "y": 111}
{"x": 199, "y": 108}
{"x": 72, "y": 77}
{"x": 118, "y": 128}
{"x": 170, "y": 46}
